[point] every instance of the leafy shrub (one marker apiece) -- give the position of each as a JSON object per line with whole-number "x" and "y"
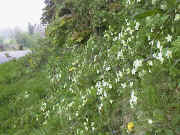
{"x": 128, "y": 74}
{"x": 123, "y": 79}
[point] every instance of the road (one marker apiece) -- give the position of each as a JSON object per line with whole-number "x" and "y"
{"x": 9, "y": 55}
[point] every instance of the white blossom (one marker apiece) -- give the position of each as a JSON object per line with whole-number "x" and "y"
{"x": 158, "y": 45}
{"x": 119, "y": 74}
{"x": 133, "y": 71}
{"x": 120, "y": 35}
{"x": 169, "y": 38}
{"x": 133, "y": 100}
{"x": 160, "y": 57}
{"x": 108, "y": 68}
{"x": 137, "y": 63}
{"x": 168, "y": 54}
{"x": 104, "y": 83}
{"x": 177, "y": 17}
{"x": 110, "y": 86}
{"x": 100, "y": 107}
{"x": 123, "y": 85}
{"x": 128, "y": 70}
{"x": 150, "y": 121}
{"x": 128, "y": 1}
{"x": 97, "y": 71}
{"x": 131, "y": 84}
{"x": 150, "y": 63}
{"x": 137, "y": 26}
{"x": 111, "y": 101}
{"x": 151, "y": 29}
{"x": 152, "y": 42}
{"x": 120, "y": 54}
{"x": 105, "y": 94}
{"x": 115, "y": 39}
{"x": 26, "y": 95}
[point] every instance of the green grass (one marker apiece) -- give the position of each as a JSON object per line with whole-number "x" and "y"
{"x": 21, "y": 93}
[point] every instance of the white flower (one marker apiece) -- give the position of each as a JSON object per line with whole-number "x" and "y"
{"x": 133, "y": 71}
{"x": 86, "y": 128}
{"x": 120, "y": 54}
{"x": 163, "y": 6}
{"x": 151, "y": 30}
{"x": 152, "y": 42}
{"x": 115, "y": 39}
{"x": 26, "y": 95}
{"x": 95, "y": 58}
{"x": 117, "y": 80}
{"x": 169, "y": 38}
{"x": 110, "y": 86}
{"x": 119, "y": 74}
{"x": 150, "y": 63}
{"x": 104, "y": 83}
{"x": 159, "y": 57}
{"x": 137, "y": 25}
{"x": 137, "y": 63}
{"x": 168, "y": 54}
{"x": 177, "y": 17}
{"x": 131, "y": 84}
{"x": 123, "y": 85}
{"x": 97, "y": 71}
{"x": 123, "y": 42}
{"x": 111, "y": 101}
{"x": 158, "y": 45}
{"x": 129, "y": 2}
{"x": 133, "y": 100}
{"x": 131, "y": 32}
{"x": 128, "y": 70}
{"x": 108, "y": 68}
{"x": 105, "y": 94}
{"x": 100, "y": 107}
{"x": 150, "y": 121}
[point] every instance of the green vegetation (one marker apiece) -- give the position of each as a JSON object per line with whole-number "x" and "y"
{"x": 22, "y": 92}
{"x": 106, "y": 67}
{"x": 17, "y": 39}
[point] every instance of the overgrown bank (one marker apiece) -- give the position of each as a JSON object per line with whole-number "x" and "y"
{"x": 113, "y": 69}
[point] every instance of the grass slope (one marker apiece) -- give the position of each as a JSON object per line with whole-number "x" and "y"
{"x": 21, "y": 93}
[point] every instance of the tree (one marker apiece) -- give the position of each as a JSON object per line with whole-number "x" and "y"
{"x": 31, "y": 28}
{"x": 49, "y": 12}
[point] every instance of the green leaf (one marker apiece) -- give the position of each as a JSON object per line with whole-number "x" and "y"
{"x": 147, "y": 13}
{"x": 169, "y": 132}
{"x": 171, "y": 3}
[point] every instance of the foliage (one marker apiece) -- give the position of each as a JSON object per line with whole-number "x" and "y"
{"x": 113, "y": 68}
{"x": 27, "y": 40}
{"x": 127, "y": 72}
{"x": 20, "y": 98}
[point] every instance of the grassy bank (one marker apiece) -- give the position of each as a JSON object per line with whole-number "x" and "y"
{"x": 21, "y": 93}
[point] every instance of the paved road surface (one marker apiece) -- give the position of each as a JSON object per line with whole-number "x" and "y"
{"x": 9, "y": 55}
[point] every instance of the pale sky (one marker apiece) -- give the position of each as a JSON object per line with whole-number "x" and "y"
{"x": 19, "y": 12}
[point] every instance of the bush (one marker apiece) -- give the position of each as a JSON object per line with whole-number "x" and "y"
{"x": 127, "y": 74}
{"x": 122, "y": 77}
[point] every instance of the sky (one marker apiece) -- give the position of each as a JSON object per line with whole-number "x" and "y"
{"x": 19, "y": 12}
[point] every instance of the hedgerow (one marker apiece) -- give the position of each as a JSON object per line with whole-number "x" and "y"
{"x": 120, "y": 77}
{"x": 113, "y": 68}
